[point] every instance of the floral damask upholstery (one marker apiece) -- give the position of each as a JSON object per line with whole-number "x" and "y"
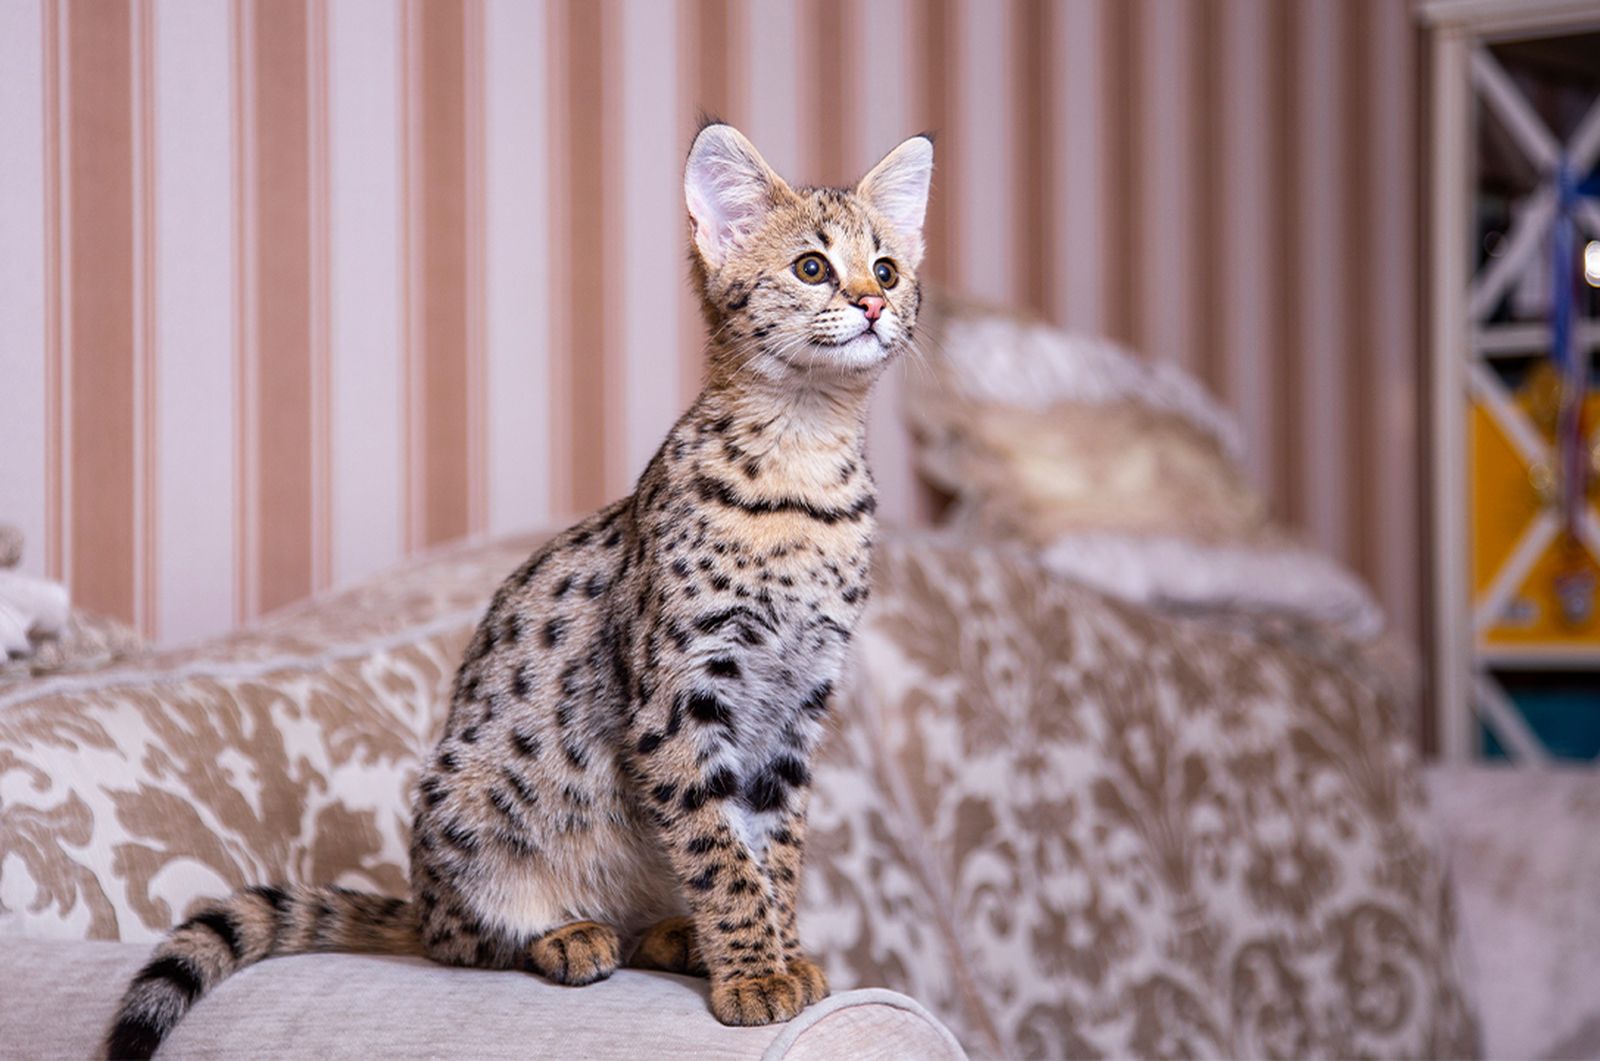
{"x": 1066, "y": 825}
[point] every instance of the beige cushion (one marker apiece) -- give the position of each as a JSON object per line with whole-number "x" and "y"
{"x": 1038, "y": 433}
{"x": 1079, "y": 467}
{"x": 59, "y": 998}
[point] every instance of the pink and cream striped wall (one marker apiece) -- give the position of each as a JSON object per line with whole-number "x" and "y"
{"x": 292, "y": 288}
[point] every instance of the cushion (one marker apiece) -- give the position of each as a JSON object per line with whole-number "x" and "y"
{"x": 1125, "y": 473}
{"x": 60, "y": 998}
{"x": 1076, "y": 467}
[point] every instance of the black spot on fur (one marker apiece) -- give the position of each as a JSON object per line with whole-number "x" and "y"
{"x": 447, "y": 762}
{"x": 521, "y": 682}
{"x": 553, "y": 632}
{"x": 595, "y": 586}
{"x": 765, "y": 792}
{"x": 707, "y": 709}
{"x": 222, "y": 926}
{"x": 526, "y": 744}
{"x": 519, "y": 785}
{"x": 575, "y": 755}
{"x": 562, "y": 587}
{"x": 460, "y": 837}
{"x": 723, "y": 667}
{"x": 649, "y": 743}
{"x": 664, "y": 793}
{"x": 793, "y": 772}
{"x": 817, "y": 702}
{"x": 714, "y": 621}
{"x": 177, "y": 972}
{"x": 276, "y": 897}
{"x": 501, "y": 799}
{"x": 701, "y": 844}
{"x": 705, "y": 880}
{"x": 722, "y": 784}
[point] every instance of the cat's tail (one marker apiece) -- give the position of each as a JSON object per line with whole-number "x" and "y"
{"x": 250, "y": 925}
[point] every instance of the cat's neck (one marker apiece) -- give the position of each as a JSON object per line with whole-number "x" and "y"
{"x": 789, "y": 418}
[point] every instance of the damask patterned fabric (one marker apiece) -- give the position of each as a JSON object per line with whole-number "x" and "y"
{"x": 1067, "y": 826}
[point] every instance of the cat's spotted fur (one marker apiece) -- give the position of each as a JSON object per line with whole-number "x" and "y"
{"x": 625, "y": 765}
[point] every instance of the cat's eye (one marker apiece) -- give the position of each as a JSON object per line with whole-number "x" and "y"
{"x": 886, "y": 273}
{"x": 812, "y": 268}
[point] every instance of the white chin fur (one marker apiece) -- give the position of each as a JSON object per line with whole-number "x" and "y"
{"x": 864, "y": 351}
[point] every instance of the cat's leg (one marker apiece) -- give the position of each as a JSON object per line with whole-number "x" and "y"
{"x": 670, "y": 946}
{"x": 730, "y": 899}
{"x": 575, "y": 954}
{"x": 785, "y": 853}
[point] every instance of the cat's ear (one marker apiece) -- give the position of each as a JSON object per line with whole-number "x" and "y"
{"x": 729, "y": 189}
{"x": 897, "y": 187}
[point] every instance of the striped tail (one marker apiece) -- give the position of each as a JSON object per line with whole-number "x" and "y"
{"x": 250, "y": 925}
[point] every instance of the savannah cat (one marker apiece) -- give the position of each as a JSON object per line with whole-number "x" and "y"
{"x": 625, "y": 765}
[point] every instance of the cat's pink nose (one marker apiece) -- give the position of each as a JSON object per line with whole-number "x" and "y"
{"x": 871, "y": 305}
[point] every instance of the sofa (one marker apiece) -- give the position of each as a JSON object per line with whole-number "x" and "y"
{"x": 1063, "y": 824}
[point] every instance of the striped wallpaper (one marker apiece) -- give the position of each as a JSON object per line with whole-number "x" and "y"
{"x": 292, "y": 288}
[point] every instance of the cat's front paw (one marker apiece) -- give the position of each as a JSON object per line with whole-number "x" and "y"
{"x": 758, "y": 999}
{"x": 576, "y": 954}
{"x": 811, "y": 976}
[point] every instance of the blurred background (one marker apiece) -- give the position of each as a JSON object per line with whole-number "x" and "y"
{"x": 332, "y": 280}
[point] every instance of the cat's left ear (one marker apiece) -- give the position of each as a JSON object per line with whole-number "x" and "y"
{"x": 897, "y": 187}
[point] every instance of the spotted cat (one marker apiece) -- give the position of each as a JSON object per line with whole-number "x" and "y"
{"x": 625, "y": 764}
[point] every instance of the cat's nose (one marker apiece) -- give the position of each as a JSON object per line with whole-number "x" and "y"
{"x": 871, "y": 305}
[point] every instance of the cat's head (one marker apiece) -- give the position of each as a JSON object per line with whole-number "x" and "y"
{"x": 805, "y": 281}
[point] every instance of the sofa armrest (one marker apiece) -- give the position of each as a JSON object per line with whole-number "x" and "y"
{"x": 60, "y": 996}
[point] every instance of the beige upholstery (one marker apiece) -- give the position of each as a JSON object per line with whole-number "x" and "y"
{"x": 58, "y": 998}
{"x": 1065, "y": 825}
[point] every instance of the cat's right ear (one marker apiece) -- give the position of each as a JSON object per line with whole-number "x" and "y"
{"x": 729, "y": 189}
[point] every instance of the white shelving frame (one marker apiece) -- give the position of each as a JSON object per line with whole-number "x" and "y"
{"x": 1462, "y": 346}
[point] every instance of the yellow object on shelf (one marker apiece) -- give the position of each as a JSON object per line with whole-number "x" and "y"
{"x": 1554, "y": 607}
